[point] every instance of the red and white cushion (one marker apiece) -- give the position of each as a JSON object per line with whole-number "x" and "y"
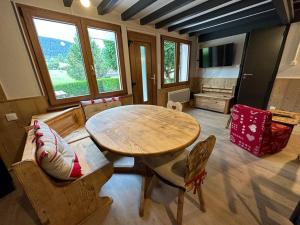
{"x": 54, "y": 155}
{"x": 253, "y": 130}
{"x": 92, "y": 107}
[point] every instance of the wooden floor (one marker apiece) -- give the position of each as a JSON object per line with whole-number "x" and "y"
{"x": 240, "y": 189}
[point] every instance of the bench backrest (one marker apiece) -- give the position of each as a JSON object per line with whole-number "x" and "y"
{"x": 93, "y": 107}
{"x": 218, "y": 90}
{"x": 63, "y": 122}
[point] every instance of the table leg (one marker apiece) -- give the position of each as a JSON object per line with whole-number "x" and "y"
{"x": 146, "y": 181}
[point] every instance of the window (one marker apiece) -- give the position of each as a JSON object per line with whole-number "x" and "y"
{"x": 77, "y": 58}
{"x": 175, "y": 61}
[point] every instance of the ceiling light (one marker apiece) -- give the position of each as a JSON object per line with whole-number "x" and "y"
{"x": 85, "y": 3}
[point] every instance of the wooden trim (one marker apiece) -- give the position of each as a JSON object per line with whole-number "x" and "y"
{"x": 177, "y": 55}
{"x": 151, "y": 39}
{"x": 27, "y": 12}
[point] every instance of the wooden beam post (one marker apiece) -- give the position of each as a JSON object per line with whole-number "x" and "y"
{"x": 136, "y": 8}
{"x": 68, "y": 3}
{"x": 282, "y": 10}
{"x": 164, "y": 10}
{"x": 190, "y": 12}
{"x": 270, "y": 15}
{"x": 216, "y": 13}
{"x": 105, "y": 6}
{"x": 226, "y": 19}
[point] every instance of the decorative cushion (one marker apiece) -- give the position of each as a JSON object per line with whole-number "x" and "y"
{"x": 54, "y": 155}
{"x": 92, "y": 107}
{"x": 253, "y": 130}
{"x": 249, "y": 126}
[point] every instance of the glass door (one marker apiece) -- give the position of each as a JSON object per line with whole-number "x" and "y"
{"x": 143, "y": 80}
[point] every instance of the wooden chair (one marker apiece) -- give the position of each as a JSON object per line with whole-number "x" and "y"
{"x": 174, "y": 105}
{"x": 184, "y": 170}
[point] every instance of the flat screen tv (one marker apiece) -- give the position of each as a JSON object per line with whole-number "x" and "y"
{"x": 216, "y": 56}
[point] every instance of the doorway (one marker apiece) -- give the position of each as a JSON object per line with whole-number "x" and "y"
{"x": 142, "y": 54}
{"x": 260, "y": 64}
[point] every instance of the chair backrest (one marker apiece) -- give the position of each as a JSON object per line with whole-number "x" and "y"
{"x": 93, "y": 107}
{"x": 174, "y": 105}
{"x": 198, "y": 157}
{"x": 250, "y": 127}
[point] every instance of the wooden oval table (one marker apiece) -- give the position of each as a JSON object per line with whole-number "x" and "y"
{"x": 143, "y": 130}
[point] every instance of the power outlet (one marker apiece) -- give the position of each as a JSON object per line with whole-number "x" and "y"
{"x": 11, "y": 116}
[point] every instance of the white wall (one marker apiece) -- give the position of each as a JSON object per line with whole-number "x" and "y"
{"x": 16, "y": 72}
{"x": 286, "y": 68}
{"x": 225, "y": 71}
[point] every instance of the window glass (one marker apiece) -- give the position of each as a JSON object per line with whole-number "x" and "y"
{"x": 184, "y": 62}
{"x": 106, "y": 61}
{"x": 144, "y": 73}
{"x": 169, "y": 62}
{"x": 62, "y": 51}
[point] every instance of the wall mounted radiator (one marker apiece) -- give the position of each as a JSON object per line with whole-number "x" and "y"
{"x": 182, "y": 95}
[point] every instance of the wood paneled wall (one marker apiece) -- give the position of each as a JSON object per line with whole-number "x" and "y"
{"x": 286, "y": 94}
{"x": 12, "y": 134}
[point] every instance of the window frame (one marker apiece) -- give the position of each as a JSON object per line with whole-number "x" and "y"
{"x": 27, "y": 13}
{"x": 177, "y": 42}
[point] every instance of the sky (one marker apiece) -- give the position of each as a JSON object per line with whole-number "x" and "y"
{"x": 66, "y": 32}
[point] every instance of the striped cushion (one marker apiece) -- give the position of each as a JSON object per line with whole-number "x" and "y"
{"x": 92, "y": 107}
{"x": 54, "y": 155}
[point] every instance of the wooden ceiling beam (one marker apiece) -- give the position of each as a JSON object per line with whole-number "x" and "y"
{"x": 170, "y": 7}
{"x": 282, "y": 11}
{"x": 105, "y": 6}
{"x": 226, "y": 19}
{"x": 68, "y": 3}
{"x": 219, "y": 12}
{"x": 272, "y": 22}
{"x": 190, "y": 12}
{"x": 236, "y": 24}
{"x": 136, "y": 8}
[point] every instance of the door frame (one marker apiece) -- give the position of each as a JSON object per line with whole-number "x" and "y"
{"x": 150, "y": 39}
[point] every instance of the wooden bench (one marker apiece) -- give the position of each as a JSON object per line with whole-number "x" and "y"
{"x": 215, "y": 98}
{"x": 65, "y": 202}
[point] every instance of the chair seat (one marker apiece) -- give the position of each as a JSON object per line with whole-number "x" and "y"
{"x": 169, "y": 167}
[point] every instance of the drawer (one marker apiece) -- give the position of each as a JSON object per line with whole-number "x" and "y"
{"x": 212, "y": 104}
